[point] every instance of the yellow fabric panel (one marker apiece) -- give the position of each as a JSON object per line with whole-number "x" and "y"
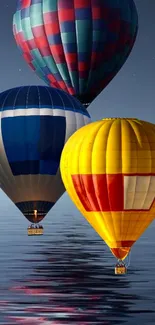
{"x": 111, "y": 146}
{"x": 115, "y": 227}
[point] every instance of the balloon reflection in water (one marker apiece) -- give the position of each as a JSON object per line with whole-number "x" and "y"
{"x": 82, "y": 291}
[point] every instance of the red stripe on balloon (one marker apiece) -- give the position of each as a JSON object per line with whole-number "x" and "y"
{"x": 25, "y": 4}
{"x": 66, "y": 15}
{"x": 100, "y": 192}
{"x": 82, "y": 4}
{"x": 125, "y": 243}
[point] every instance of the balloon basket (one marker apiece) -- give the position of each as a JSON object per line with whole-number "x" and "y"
{"x": 32, "y": 231}
{"x": 120, "y": 269}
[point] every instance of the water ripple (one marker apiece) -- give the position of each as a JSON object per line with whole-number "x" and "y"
{"x": 67, "y": 277}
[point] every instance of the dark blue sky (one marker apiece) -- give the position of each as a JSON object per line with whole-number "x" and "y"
{"x": 131, "y": 93}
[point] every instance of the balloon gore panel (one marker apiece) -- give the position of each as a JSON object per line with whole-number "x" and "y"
{"x": 29, "y": 151}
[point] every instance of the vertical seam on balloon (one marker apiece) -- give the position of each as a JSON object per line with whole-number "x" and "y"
{"x": 43, "y": 28}
{"x": 27, "y": 97}
{"x": 9, "y": 92}
{"x": 27, "y": 151}
{"x": 101, "y": 213}
{"x": 123, "y": 218}
{"x": 120, "y": 130}
{"x": 59, "y": 94}
{"x": 90, "y": 67}
{"x": 131, "y": 123}
{"x": 41, "y": 202}
{"x": 64, "y": 50}
{"x": 130, "y": 213}
{"x": 58, "y": 170}
{"x": 50, "y": 96}
{"x": 76, "y": 35}
{"x": 91, "y": 47}
{"x": 40, "y": 133}
{"x": 64, "y": 174}
{"x": 52, "y": 115}
{"x": 67, "y": 65}
{"x": 107, "y": 181}
{"x": 14, "y": 104}
{"x": 67, "y": 95}
{"x": 15, "y": 99}
{"x": 45, "y": 34}
{"x": 76, "y": 48}
{"x": 143, "y": 127}
{"x": 80, "y": 177}
{"x": 151, "y": 164}
{"x": 42, "y": 58}
{"x": 71, "y": 100}
{"x": 121, "y": 212}
{"x": 58, "y": 71}
{"x": 35, "y": 58}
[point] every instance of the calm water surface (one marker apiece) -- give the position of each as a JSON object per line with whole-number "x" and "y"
{"x": 67, "y": 276}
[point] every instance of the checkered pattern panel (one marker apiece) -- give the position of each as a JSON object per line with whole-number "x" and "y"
{"x": 76, "y": 45}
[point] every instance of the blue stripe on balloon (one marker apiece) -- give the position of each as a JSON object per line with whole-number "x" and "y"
{"x": 54, "y": 39}
{"x": 99, "y": 24}
{"x": 25, "y": 13}
{"x": 83, "y": 56}
{"x": 70, "y": 47}
{"x": 67, "y": 26}
{"x": 32, "y": 145}
{"x": 83, "y": 13}
{"x": 45, "y": 69}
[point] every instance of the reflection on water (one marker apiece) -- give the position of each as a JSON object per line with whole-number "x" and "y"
{"x": 67, "y": 277}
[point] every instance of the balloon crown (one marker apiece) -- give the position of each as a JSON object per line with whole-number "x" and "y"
{"x": 120, "y": 118}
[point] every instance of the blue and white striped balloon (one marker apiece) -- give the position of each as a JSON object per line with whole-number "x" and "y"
{"x": 35, "y": 123}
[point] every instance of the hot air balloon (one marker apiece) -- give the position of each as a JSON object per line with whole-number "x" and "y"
{"x": 35, "y": 122}
{"x": 76, "y": 45}
{"x": 108, "y": 169}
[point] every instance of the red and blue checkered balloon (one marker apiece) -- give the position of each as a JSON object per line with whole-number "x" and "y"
{"x": 76, "y": 45}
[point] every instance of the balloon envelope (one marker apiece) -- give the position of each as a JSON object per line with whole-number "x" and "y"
{"x": 35, "y": 122}
{"x": 110, "y": 176}
{"x": 78, "y": 46}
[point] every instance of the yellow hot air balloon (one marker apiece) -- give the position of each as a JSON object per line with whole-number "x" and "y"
{"x": 108, "y": 169}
